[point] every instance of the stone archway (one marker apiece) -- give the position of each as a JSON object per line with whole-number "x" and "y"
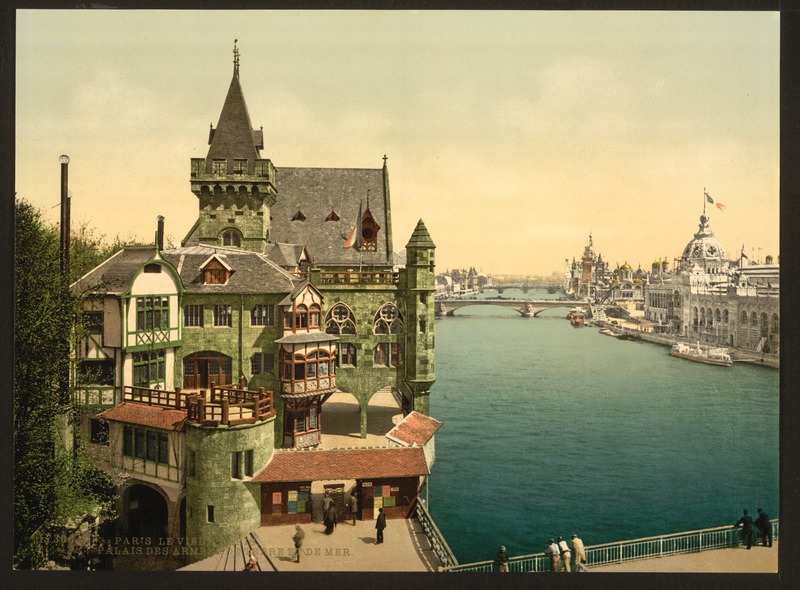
{"x": 346, "y": 419}
{"x": 145, "y": 512}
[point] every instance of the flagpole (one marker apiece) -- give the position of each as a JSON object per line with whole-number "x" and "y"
{"x": 704, "y": 200}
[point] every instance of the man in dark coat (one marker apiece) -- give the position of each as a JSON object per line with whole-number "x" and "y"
{"x": 747, "y": 527}
{"x": 380, "y": 524}
{"x": 765, "y": 528}
{"x": 329, "y": 519}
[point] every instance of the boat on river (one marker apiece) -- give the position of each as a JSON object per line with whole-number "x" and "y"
{"x": 614, "y": 333}
{"x": 708, "y": 355}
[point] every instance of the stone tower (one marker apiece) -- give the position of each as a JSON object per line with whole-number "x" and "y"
{"x": 234, "y": 185}
{"x": 419, "y": 287}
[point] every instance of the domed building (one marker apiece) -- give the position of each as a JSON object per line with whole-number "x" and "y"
{"x": 713, "y": 299}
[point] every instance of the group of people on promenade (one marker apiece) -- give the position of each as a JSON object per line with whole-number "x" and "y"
{"x": 762, "y": 523}
{"x": 559, "y": 552}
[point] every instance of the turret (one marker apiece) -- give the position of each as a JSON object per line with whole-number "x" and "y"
{"x": 234, "y": 185}
{"x": 420, "y": 288}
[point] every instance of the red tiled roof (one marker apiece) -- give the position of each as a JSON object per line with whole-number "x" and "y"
{"x": 415, "y": 428}
{"x": 146, "y": 415}
{"x": 344, "y": 464}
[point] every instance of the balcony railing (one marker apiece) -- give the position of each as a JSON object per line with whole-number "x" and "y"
{"x": 359, "y": 278}
{"x": 618, "y": 552}
{"x": 310, "y": 385}
{"x": 155, "y": 397}
{"x": 230, "y": 406}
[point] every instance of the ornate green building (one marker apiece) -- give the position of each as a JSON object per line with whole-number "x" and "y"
{"x": 198, "y": 362}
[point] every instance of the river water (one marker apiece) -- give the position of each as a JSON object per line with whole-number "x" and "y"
{"x": 553, "y": 430}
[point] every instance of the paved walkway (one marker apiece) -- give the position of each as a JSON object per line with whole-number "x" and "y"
{"x": 348, "y": 548}
{"x": 758, "y": 560}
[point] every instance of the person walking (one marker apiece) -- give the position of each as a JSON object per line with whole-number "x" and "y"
{"x": 327, "y": 502}
{"x": 353, "y": 506}
{"x": 764, "y": 527}
{"x": 252, "y": 563}
{"x": 746, "y": 522}
{"x": 299, "y": 535}
{"x": 380, "y": 524}
{"x": 580, "y": 553}
{"x": 566, "y": 554}
{"x": 502, "y": 559}
{"x": 554, "y": 553}
{"x": 329, "y": 519}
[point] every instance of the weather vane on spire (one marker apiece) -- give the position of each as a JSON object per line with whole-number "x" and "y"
{"x": 235, "y": 57}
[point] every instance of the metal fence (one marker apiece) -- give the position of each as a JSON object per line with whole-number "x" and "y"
{"x": 439, "y": 546}
{"x": 621, "y": 551}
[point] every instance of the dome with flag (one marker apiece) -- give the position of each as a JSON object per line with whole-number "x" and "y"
{"x": 704, "y": 246}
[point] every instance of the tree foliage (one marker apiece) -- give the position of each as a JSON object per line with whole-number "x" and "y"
{"x": 53, "y": 482}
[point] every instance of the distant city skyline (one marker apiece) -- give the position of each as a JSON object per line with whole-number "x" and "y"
{"x": 513, "y": 135}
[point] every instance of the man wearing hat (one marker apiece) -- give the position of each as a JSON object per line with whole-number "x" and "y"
{"x": 580, "y": 553}
{"x": 765, "y": 527}
{"x": 747, "y": 527}
{"x": 554, "y": 553}
{"x": 565, "y": 553}
{"x": 502, "y": 559}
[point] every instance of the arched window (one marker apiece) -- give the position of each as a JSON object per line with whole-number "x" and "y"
{"x": 743, "y": 319}
{"x": 776, "y": 324}
{"x": 764, "y": 325}
{"x": 232, "y": 238}
{"x": 340, "y": 320}
{"x": 717, "y": 316}
{"x": 702, "y": 316}
{"x": 388, "y": 320}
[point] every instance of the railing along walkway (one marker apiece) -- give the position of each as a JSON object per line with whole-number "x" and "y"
{"x": 438, "y": 544}
{"x": 635, "y": 549}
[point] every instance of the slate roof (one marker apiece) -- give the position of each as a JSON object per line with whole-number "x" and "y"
{"x": 284, "y": 255}
{"x": 146, "y": 415}
{"x": 252, "y": 272}
{"x": 344, "y": 464}
{"x": 415, "y": 428}
{"x": 234, "y": 137}
{"x": 115, "y": 274}
{"x": 316, "y": 192}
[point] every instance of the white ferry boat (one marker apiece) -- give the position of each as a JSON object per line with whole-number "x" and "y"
{"x": 711, "y": 356}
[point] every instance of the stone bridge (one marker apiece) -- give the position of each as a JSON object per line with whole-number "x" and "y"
{"x": 526, "y": 307}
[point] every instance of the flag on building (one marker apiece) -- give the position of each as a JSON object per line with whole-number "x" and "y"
{"x": 355, "y": 236}
{"x": 718, "y": 205}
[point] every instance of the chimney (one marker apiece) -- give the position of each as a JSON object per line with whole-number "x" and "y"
{"x": 160, "y": 233}
{"x": 64, "y": 226}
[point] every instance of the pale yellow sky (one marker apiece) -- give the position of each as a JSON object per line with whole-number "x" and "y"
{"x": 511, "y": 134}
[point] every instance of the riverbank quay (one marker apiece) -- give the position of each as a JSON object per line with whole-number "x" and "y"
{"x": 741, "y": 355}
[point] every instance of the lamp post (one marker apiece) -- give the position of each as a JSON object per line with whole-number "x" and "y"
{"x": 64, "y": 159}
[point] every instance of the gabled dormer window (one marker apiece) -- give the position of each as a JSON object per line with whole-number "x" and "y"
{"x": 298, "y": 216}
{"x": 369, "y": 232}
{"x": 215, "y": 271}
{"x": 332, "y": 216}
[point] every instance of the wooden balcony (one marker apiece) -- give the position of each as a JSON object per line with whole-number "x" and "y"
{"x": 228, "y": 405}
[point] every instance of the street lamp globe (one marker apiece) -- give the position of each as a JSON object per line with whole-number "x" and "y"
{"x": 64, "y": 159}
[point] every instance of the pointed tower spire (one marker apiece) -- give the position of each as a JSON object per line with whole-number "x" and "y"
{"x": 234, "y": 138}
